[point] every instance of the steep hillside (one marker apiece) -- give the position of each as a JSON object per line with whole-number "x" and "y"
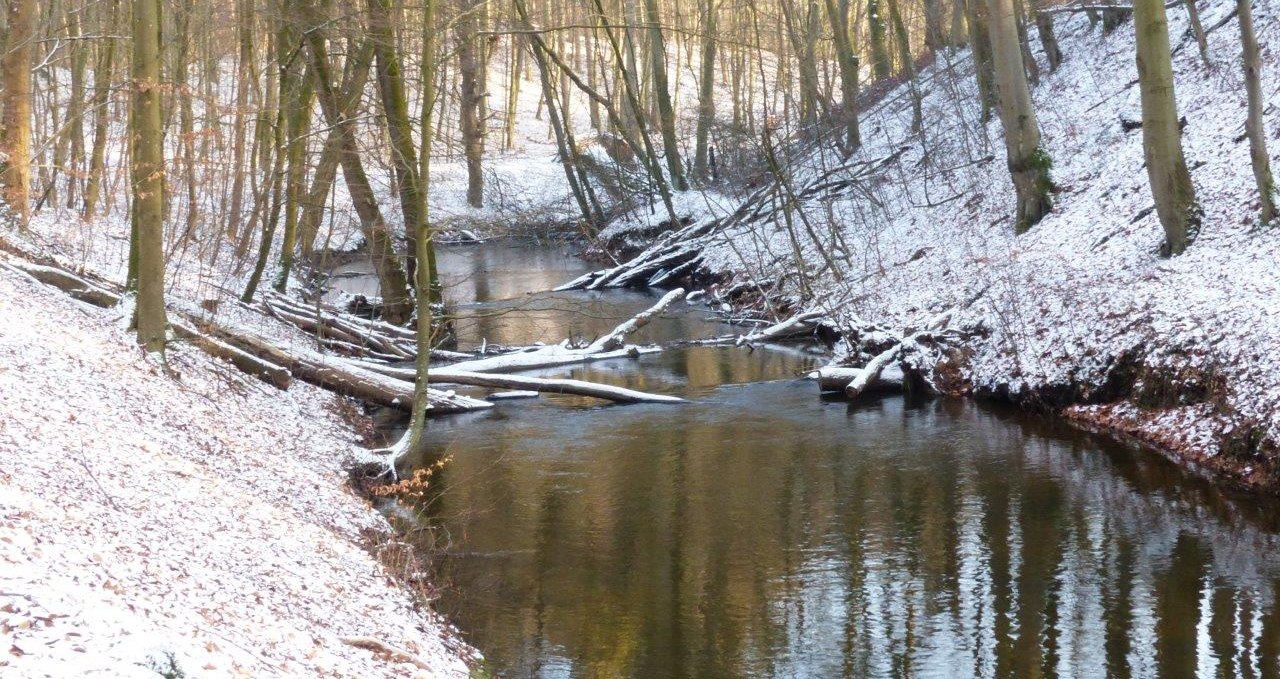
{"x": 1081, "y": 311}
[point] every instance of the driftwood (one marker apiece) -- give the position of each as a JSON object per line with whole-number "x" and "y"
{"x": 392, "y": 652}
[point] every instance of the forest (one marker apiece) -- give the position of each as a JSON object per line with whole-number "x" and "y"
{"x": 639, "y": 338}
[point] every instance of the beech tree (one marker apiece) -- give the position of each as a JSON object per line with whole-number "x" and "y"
{"x": 148, "y": 176}
{"x": 1029, "y": 163}
{"x": 1171, "y": 187}
{"x": 15, "y": 126}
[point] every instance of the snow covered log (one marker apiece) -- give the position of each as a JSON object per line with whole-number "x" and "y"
{"x": 83, "y": 290}
{"x": 342, "y": 376}
{"x": 869, "y": 375}
{"x": 616, "y": 338}
{"x": 835, "y": 379}
{"x": 799, "y": 324}
{"x": 606, "y": 392}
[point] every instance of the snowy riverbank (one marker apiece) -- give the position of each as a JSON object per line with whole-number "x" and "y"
{"x": 1080, "y": 313}
{"x": 201, "y": 519}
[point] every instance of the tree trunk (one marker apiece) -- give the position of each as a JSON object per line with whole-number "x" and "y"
{"x": 1044, "y": 26}
{"x": 471, "y": 123}
{"x": 395, "y": 106}
{"x": 847, "y": 58}
{"x": 1028, "y": 162}
{"x": 391, "y": 277}
{"x": 15, "y": 126}
{"x": 1253, "y": 123}
{"x": 148, "y": 175}
{"x": 102, "y": 69}
{"x": 424, "y": 271}
{"x": 662, "y": 95}
{"x": 881, "y": 63}
{"x": 1197, "y": 30}
{"x": 983, "y": 66}
{"x": 1161, "y": 138}
{"x": 706, "y": 91}
{"x": 908, "y": 64}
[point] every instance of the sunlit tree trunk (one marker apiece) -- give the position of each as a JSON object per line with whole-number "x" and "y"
{"x": 1162, "y": 140}
{"x": 148, "y": 176}
{"x": 1029, "y": 164}
{"x": 15, "y": 126}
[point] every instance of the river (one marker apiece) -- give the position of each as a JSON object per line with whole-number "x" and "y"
{"x": 761, "y": 531}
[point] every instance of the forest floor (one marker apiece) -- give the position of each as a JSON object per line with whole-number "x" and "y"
{"x": 183, "y": 516}
{"x": 1080, "y": 315}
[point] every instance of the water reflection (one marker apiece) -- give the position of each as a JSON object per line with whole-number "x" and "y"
{"x": 761, "y": 532}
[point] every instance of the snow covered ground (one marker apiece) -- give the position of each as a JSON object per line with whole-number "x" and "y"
{"x": 1183, "y": 352}
{"x": 199, "y": 521}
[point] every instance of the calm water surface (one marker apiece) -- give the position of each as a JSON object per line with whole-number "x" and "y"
{"x": 762, "y": 532}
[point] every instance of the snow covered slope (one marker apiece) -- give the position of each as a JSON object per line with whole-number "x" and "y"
{"x": 1081, "y": 310}
{"x": 198, "y": 522}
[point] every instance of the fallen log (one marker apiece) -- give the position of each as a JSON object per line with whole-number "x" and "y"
{"x": 796, "y": 325}
{"x": 81, "y": 289}
{"x": 344, "y": 376}
{"x": 548, "y": 357}
{"x": 610, "y": 345}
{"x": 616, "y": 338}
{"x": 871, "y": 373}
{"x": 572, "y": 387}
{"x": 835, "y": 379}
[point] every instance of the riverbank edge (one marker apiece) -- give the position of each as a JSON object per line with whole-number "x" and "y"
{"x": 1174, "y": 411}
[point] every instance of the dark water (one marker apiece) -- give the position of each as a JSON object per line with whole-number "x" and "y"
{"x": 762, "y": 532}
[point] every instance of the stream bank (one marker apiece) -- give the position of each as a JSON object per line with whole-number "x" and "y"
{"x": 760, "y": 530}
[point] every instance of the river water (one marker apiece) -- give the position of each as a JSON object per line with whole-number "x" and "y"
{"x": 760, "y": 531}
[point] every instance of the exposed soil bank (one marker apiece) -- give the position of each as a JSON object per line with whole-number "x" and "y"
{"x": 183, "y": 517}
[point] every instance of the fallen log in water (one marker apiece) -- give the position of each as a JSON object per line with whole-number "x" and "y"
{"x": 835, "y": 379}
{"x": 610, "y": 345}
{"x": 616, "y": 338}
{"x": 888, "y": 369}
{"x": 606, "y": 392}
{"x": 344, "y": 376}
